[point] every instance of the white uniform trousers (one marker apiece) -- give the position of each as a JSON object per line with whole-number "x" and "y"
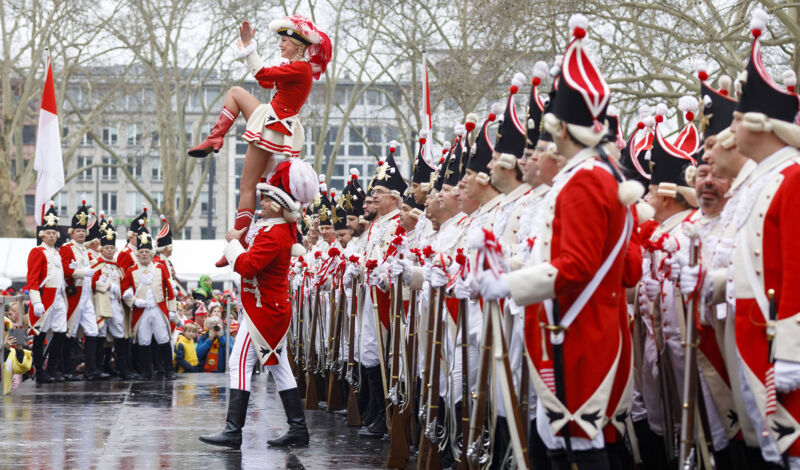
{"x": 86, "y": 318}
{"x": 56, "y": 320}
{"x": 114, "y": 326}
{"x": 368, "y": 345}
{"x": 243, "y": 359}
{"x": 152, "y": 323}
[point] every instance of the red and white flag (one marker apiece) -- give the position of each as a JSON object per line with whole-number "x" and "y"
{"x": 48, "y": 162}
{"x": 426, "y": 112}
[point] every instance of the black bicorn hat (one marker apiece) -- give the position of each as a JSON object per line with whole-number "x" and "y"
{"x": 511, "y": 133}
{"x": 164, "y": 237}
{"x": 760, "y": 93}
{"x": 133, "y": 228}
{"x": 536, "y": 105}
{"x": 441, "y": 170}
{"x": 481, "y": 151}
{"x": 50, "y": 218}
{"x": 325, "y": 211}
{"x": 352, "y": 198}
{"x": 583, "y": 93}
{"x": 81, "y": 217}
{"x": 338, "y": 217}
{"x": 421, "y": 173}
{"x": 388, "y": 176}
{"x": 144, "y": 241}
{"x": 416, "y": 209}
{"x": 614, "y": 129}
{"x": 668, "y": 160}
{"x": 716, "y": 104}
{"x": 108, "y": 235}
{"x": 635, "y": 157}
{"x": 93, "y": 232}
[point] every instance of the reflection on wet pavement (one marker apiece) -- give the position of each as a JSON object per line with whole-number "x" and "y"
{"x": 155, "y": 424}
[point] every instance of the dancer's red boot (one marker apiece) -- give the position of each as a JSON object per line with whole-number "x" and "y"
{"x": 243, "y": 220}
{"x": 214, "y": 140}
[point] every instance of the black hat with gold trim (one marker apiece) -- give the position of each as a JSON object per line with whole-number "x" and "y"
{"x": 109, "y": 234}
{"x": 50, "y": 219}
{"x": 143, "y": 239}
{"x": 388, "y": 176}
{"x": 324, "y": 211}
{"x": 81, "y": 217}
{"x": 352, "y": 198}
{"x": 133, "y": 228}
{"x": 95, "y": 226}
{"x": 339, "y": 218}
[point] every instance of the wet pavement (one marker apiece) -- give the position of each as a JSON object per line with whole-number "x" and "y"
{"x": 155, "y": 424}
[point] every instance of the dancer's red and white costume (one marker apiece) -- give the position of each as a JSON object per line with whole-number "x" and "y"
{"x": 264, "y": 268}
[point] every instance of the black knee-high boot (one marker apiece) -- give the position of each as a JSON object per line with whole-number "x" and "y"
{"x": 38, "y": 360}
{"x": 378, "y": 426}
{"x": 231, "y": 436}
{"x": 54, "y": 355}
{"x": 121, "y": 350}
{"x": 165, "y": 357}
{"x": 297, "y": 435}
{"x": 366, "y": 411}
{"x": 145, "y": 362}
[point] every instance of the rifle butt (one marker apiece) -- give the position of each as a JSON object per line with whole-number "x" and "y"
{"x": 312, "y": 392}
{"x": 398, "y": 442}
{"x": 353, "y": 415}
{"x": 335, "y": 399}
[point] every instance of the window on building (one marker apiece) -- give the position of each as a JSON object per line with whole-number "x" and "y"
{"x": 134, "y": 164}
{"x": 28, "y": 134}
{"x": 85, "y": 175}
{"x": 61, "y": 204}
{"x": 187, "y": 233}
{"x": 330, "y": 138}
{"x": 204, "y": 204}
{"x": 158, "y": 199}
{"x": 30, "y": 202}
{"x": 108, "y": 202}
{"x": 108, "y": 173}
{"x": 374, "y": 98}
{"x": 337, "y": 178}
{"x": 178, "y": 203}
{"x": 134, "y": 134}
{"x": 133, "y": 203}
{"x": 110, "y": 135}
{"x": 86, "y": 139}
{"x": 241, "y": 148}
{"x": 356, "y": 146}
{"x": 206, "y": 234}
{"x": 340, "y": 96}
{"x": 187, "y": 130}
{"x": 155, "y": 168}
{"x": 211, "y": 94}
{"x": 238, "y": 166}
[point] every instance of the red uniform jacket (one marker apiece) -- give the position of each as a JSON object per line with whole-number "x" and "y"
{"x": 162, "y": 290}
{"x": 264, "y": 268}
{"x": 42, "y": 285}
{"x": 293, "y": 82}
{"x": 125, "y": 258}
{"x": 73, "y": 277}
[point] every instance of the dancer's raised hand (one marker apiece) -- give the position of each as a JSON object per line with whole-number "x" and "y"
{"x": 246, "y": 34}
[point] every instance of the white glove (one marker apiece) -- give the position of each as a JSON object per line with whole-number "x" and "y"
{"x": 465, "y": 288}
{"x": 787, "y": 376}
{"x": 374, "y": 278}
{"x": 438, "y": 277}
{"x": 675, "y": 267}
{"x": 128, "y": 294}
{"x": 644, "y": 303}
{"x": 351, "y": 271}
{"x": 114, "y": 290}
{"x": 688, "y": 279}
{"x": 38, "y": 308}
{"x": 401, "y": 267}
{"x": 140, "y": 303}
{"x": 491, "y": 287}
{"x": 89, "y": 272}
{"x": 72, "y": 265}
{"x": 426, "y": 272}
{"x": 651, "y": 288}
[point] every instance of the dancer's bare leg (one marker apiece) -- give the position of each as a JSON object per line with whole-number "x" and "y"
{"x": 237, "y": 100}
{"x": 255, "y": 162}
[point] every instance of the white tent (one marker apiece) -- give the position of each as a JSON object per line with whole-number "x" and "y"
{"x": 191, "y": 258}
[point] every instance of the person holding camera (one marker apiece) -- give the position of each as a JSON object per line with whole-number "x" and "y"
{"x": 210, "y": 347}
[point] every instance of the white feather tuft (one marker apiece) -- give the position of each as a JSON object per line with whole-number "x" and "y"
{"x": 612, "y": 111}
{"x": 302, "y": 181}
{"x": 629, "y": 192}
{"x": 670, "y": 244}
{"x": 475, "y": 239}
{"x": 472, "y": 117}
{"x": 707, "y": 102}
{"x": 555, "y": 70}
{"x": 687, "y": 104}
{"x": 354, "y": 171}
{"x": 661, "y": 109}
{"x": 322, "y": 177}
{"x": 648, "y": 155}
{"x": 700, "y": 65}
{"x": 540, "y": 70}
{"x": 518, "y": 80}
{"x": 578, "y": 20}
{"x": 789, "y": 78}
{"x": 459, "y": 129}
{"x": 497, "y": 109}
{"x": 298, "y": 250}
{"x": 724, "y": 82}
{"x": 323, "y": 188}
{"x": 649, "y": 121}
{"x": 644, "y": 111}
{"x": 759, "y": 19}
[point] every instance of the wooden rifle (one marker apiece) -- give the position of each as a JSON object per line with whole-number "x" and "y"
{"x": 412, "y": 370}
{"x": 312, "y": 383}
{"x": 476, "y": 457}
{"x": 689, "y": 373}
{"x": 398, "y": 442}
{"x": 334, "y": 396}
{"x": 424, "y": 443}
{"x": 433, "y": 460}
{"x": 300, "y": 357}
{"x": 666, "y": 379}
{"x": 353, "y": 415}
{"x": 465, "y": 397}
